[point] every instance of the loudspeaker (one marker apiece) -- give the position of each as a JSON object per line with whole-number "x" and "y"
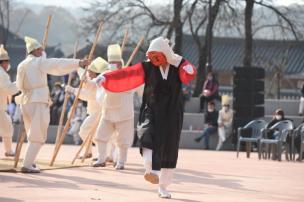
{"x": 249, "y": 112}
{"x": 248, "y": 95}
{"x": 248, "y": 98}
{"x": 245, "y": 85}
{"x": 249, "y": 72}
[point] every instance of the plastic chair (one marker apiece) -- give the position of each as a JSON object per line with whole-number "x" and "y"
{"x": 253, "y": 135}
{"x": 299, "y": 131}
{"x": 284, "y": 128}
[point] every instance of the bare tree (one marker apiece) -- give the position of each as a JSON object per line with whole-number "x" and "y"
{"x": 143, "y": 19}
{"x": 4, "y": 21}
{"x": 201, "y": 40}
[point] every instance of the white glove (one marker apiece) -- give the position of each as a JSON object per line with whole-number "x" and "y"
{"x": 100, "y": 79}
{"x": 189, "y": 69}
{"x": 69, "y": 89}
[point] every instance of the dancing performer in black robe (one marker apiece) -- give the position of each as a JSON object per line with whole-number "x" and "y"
{"x": 161, "y": 113}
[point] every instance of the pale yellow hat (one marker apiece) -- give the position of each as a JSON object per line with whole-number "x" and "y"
{"x": 31, "y": 44}
{"x": 98, "y": 65}
{"x": 114, "y": 53}
{"x": 3, "y": 53}
{"x": 225, "y": 100}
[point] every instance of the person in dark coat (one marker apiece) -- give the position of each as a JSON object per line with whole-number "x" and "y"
{"x": 211, "y": 118}
{"x": 278, "y": 116}
{"x": 161, "y": 112}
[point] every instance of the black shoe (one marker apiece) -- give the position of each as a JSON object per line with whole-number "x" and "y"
{"x": 198, "y": 139}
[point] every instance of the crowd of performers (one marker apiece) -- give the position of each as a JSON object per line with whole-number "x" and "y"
{"x": 108, "y": 88}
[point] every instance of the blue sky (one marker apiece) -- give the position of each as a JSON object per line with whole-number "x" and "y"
{"x": 81, "y": 3}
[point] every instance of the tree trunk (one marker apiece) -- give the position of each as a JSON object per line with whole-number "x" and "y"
{"x": 178, "y": 26}
{"x": 248, "y": 33}
{"x": 202, "y": 69}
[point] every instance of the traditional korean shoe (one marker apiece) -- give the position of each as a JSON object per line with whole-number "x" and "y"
{"x": 119, "y": 166}
{"x": 163, "y": 193}
{"x": 151, "y": 177}
{"x": 98, "y": 164}
{"x": 9, "y": 154}
{"x": 30, "y": 169}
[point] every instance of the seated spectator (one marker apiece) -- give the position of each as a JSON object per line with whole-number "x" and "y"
{"x": 224, "y": 121}
{"x": 210, "y": 124}
{"x": 278, "y": 116}
{"x": 210, "y": 91}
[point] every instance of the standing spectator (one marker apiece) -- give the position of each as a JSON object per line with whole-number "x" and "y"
{"x": 224, "y": 121}
{"x": 301, "y": 106}
{"x": 210, "y": 91}
{"x": 57, "y": 97}
{"x": 211, "y": 118}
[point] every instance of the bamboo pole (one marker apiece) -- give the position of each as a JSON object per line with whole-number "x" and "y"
{"x": 66, "y": 98}
{"x": 73, "y": 109}
{"x": 135, "y": 51}
{"x": 21, "y": 138}
{"x": 22, "y": 132}
{"x": 46, "y": 32}
{"x": 123, "y": 44}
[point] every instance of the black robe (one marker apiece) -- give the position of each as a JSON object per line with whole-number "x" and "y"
{"x": 161, "y": 115}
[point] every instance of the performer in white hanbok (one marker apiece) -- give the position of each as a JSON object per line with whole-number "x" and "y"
{"x": 35, "y": 100}
{"x": 7, "y": 89}
{"x": 88, "y": 93}
{"x": 117, "y": 117}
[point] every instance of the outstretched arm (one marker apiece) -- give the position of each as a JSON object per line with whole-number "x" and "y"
{"x": 187, "y": 72}
{"x": 124, "y": 79}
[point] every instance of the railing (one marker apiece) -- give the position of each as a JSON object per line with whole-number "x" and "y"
{"x": 286, "y": 94}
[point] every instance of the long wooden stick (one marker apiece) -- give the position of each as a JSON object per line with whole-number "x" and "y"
{"x": 66, "y": 98}
{"x": 22, "y": 132}
{"x": 80, "y": 149}
{"x": 88, "y": 144}
{"x": 123, "y": 44}
{"x": 46, "y": 32}
{"x": 21, "y": 138}
{"x": 73, "y": 109}
{"x": 135, "y": 51}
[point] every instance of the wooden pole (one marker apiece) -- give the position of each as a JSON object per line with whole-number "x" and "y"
{"x": 21, "y": 138}
{"x": 123, "y": 44}
{"x": 66, "y": 98}
{"x": 46, "y": 32}
{"x": 135, "y": 51}
{"x": 73, "y": 109}
{"x": 22, "y": 132}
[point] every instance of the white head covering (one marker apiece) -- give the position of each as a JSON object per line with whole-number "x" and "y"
{"x": 161, "y": 44}
{"x": 31, "y": 44}
{"x": 114, "y": 53}
{"x": 98, "y": 65}
{"x": 3, "y": 53}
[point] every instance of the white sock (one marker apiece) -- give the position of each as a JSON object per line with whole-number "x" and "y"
{"x": 122, "y": 154}
{"x": 165, "y": 179}
{"x": 147, "y": 159}
{"x": 102, "y": 151}
{"x": 7, "y": 142}
{"x": 31, "y": 154}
